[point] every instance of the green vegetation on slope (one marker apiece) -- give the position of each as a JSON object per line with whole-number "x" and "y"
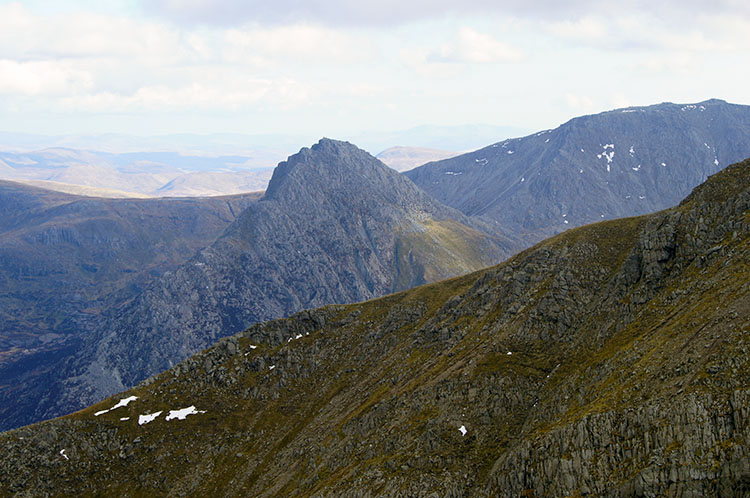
{"x": 609, "y": 360}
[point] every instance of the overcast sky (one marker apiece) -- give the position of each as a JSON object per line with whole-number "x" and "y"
{"x": 339, "y": 67}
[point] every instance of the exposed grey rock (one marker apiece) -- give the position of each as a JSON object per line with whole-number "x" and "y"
{"x": 329, "y": 229}
{"x": 619, "y": 163}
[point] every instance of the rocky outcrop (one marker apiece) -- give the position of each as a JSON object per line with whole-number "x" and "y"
{"x": 611, "y": 360}
{"x": 66, "y": 259}
{"x": 335, "y": 226}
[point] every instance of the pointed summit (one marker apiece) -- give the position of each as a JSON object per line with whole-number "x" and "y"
{"x": 333, "y": 166}
{"x": 335, "y": 226}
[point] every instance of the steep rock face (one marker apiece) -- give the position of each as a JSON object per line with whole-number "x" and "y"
{"x": 624, "y": 162}
{"x": 64, "y": 259}
{"x": 334, "y": 226}
{"x": 611, "y": 360}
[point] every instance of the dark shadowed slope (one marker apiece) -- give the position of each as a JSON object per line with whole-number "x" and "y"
{"x": 611, "y": 360}
{"x": 619, "y": 163}
{"x": 335, "y": 226}
{"x": 64, "y": 259}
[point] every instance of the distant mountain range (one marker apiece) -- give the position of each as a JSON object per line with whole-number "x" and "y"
{"x": 334, "y": 226}
{"x": 610, "y": 360}
{"x": 145, "y": 174}
{"x": 405, "y": 158}
{"x": 609, "y": 165}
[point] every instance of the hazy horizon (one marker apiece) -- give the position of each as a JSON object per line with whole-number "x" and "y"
{"x": 343, "y": 69}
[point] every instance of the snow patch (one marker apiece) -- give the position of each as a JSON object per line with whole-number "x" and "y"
{"x": 637, "y": 168}
{"x": 462, "y": 430}
{"x": 183, "y": 413}
{"x": 632, "y": 151}
{"x": 663, "y": 164}
{"x": 272, "y": 367}
{"x": 510, "y": 152}
{"x": 523, "y": 179}
{"x": 716, "y": 161}
{"x": 546, "y": 141}
{"x": 482, "y": 161}
{"x": 149, "y": 417}
{"x": 62, "y": 452}
{"x": 455, "y": 173}
{"x": 123, "y": 419}
{"x": 121, "y": 403}
{"x": 509, "y": 353}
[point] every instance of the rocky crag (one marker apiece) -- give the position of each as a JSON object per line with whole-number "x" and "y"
{"x": 610, "y": 360}
{"x": 619, "y": 163}
{"x": 334, "y": 226}
{"x": 65, "y": 259}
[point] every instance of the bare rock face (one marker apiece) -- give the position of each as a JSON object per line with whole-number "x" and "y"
{"x": 619, "y": 163}
{"x": 335, "y": 226}
{"x": 66, "y": 259}
{"x": 611, "y": 360}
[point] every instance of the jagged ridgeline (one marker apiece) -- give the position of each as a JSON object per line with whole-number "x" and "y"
{"x": 335, "y": 226}
{"x": 619, "y": 163}
{"x": 610, "y": 360}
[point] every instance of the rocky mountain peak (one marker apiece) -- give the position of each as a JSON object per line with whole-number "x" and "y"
{"x": 330, "y": 165}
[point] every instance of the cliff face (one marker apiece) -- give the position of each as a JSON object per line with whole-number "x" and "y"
{"x": 611, "y": 360}
{"x": 334, "y": 226}
{"x": 65, "y": 260}
{"x": 619, "y": 163}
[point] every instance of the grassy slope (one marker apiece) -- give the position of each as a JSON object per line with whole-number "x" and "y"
{"x": 374, "y": 397}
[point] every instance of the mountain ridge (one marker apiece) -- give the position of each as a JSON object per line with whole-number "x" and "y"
{"x": 608, "y": 360}
{"x": 617, "y": 163}
{"x": 335, "y": 225}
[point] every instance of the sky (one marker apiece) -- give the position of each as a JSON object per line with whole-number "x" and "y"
{"x": 342, "y": 67}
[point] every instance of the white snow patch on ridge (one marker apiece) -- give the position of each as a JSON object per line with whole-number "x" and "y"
{"x": 145, "y": 419}
{"x": 121, "y": 403}
{"x": 183, "y": 413}
{"x": 462, "y": 430}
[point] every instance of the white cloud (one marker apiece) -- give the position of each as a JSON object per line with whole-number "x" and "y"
{"x": 41, "y": 77}
{"x": 587, "y": 29}
{"x": 399, "y": 12}
{"x": 670, "y": 63}
{"x": 580, "y": 104}
{"x": 232, "y": 95}
{"x": 297, "y": 40}
{"x": 471, "y": 46}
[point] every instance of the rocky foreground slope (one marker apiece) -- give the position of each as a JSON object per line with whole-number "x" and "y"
{"x": 610, "y": 360}
{"x": 334, "y": 226}
{"x": 619, "y": 163}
